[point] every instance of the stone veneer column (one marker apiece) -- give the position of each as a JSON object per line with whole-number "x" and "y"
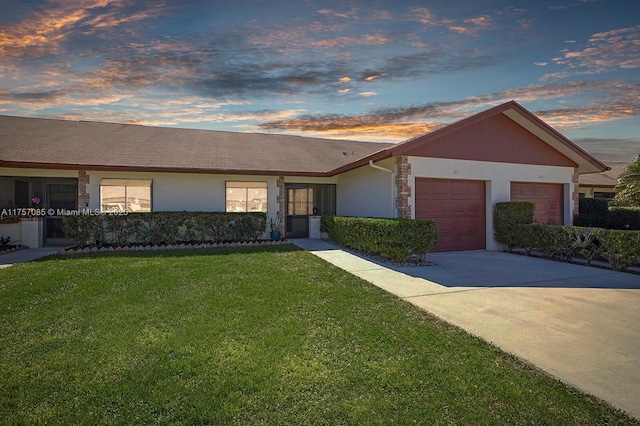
{"x": 281, "y": 204}
{"x": 402, "y": 185}
{"x": 83, "y": 196}
{"x": 575, "y": 195}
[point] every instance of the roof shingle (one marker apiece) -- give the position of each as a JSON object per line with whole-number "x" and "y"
{"x": 124, "y": 146}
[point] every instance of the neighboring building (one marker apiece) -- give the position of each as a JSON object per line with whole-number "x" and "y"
{"x": 601, "y": 185}
{"x": 453, "y": 175}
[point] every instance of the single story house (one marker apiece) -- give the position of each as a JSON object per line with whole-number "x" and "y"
{"x": 603, "y": 184}
{"x": 454, "y": 175}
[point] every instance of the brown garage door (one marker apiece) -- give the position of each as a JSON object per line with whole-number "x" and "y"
{"x": 547, "y": 198}
{"x": 458, "y": 207}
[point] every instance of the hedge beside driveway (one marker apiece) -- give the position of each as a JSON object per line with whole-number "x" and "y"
{"x": 620, "y": 248}
{"x": 394, "y": 239}
{"x": 514, "y": 228}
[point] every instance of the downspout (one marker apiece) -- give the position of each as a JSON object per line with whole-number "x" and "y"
{"x": 393, "y": 213}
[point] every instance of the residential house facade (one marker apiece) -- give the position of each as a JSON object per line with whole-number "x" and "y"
{"x": 453, "y": 175}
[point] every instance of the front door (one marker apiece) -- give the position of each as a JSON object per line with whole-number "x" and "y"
{"x": 299, "y": 208}
{"x": 60, "y": 195}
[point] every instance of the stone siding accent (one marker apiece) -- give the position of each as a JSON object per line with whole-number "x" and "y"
{"x": 575, "y": 195}
{"x": 402, "y": 185}
{"x": 83, "y": 196}
{"x": 281, "y": 204}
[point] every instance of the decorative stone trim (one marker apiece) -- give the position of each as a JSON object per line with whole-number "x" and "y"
{"x": 12, "y": 248}
{"x": 403, "y": 190}
{"x": 575, "y": 195}
{"x": 83, "y": 196}
{"x": 281, "y": 204}
{"x": 177, "y": 246}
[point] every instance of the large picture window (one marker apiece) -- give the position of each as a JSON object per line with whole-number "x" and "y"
{"x": 246, "y": 196}
{"x": 130, "y": 195}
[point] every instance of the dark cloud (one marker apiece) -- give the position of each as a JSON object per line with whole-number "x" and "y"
{"x": 161, "y": 62}
{"x": 611, "y": 149}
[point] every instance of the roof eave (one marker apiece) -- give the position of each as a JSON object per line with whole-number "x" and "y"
{"x": 112, "y": 168}
{"x": 376, "y": 156}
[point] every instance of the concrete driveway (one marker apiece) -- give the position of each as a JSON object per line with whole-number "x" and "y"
{"x": 579, "y": 324}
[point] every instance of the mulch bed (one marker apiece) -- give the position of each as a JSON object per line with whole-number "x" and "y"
{"x": 578, "y": 260}
{"x": 11, "y": 248}
{"x": 162, "y": 246}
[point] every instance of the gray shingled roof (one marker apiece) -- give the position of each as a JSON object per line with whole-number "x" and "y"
{"x": 604, "y": 179}
{"x": 95, "y": 145}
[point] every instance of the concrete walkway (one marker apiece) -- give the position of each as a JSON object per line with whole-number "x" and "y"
{"x": 26, "y": 255}
{"x": 579, "y": 324}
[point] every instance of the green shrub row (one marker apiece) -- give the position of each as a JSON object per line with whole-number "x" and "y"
{"x": 395, "y": 239}
{"x": 597, "y": 213}
{"x": 164, "y": 227}
{"x": 507, "y": 216}
{"x": 620, "y": 248}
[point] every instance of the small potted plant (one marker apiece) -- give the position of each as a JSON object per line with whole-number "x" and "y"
{"x": 274, "y": 224}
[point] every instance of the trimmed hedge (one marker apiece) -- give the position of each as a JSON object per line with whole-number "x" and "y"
{"x": 597, "y": 213}
{"x": 507, "y": 216}
{"x": 514, "y": 227}
{"x": 593, "y": 212}
{"x": 624, "y": 218}
{"x": 164, "y": 227}
{"x": 620, "y": 248}
{"x": 395, "y": 239}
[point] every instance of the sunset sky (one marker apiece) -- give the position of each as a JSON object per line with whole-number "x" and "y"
{"x": 378, "y": 70}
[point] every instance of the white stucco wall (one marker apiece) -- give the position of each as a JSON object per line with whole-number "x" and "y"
{"x": 181, "y": 191}
{"x": 367, "y": 191}
{"x": 498, "y": 178}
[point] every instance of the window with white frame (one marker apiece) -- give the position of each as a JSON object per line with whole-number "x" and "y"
{"x": 125, "y": 195}
{"x": 246, "y": 196}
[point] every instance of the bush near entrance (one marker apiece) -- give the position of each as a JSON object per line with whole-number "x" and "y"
{"x": 394, "y": 239}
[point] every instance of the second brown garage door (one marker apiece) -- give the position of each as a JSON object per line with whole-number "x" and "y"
{"x": 547, "y": 198}
{"x": 458, "y": 207}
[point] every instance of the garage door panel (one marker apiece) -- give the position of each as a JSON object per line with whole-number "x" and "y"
{"x": 474, "y": 206}
{"x": 439, "y": 207}
{"x": 553, "y": 205}
{"x": 458, "y": 189}
{"x": 443, "y": 224}
{"x": 473, "y": 224}
{"x": 458, "y": 225}
{"x": 540, "y": 191}
{"x": 440, "y": 188}
{"x": 547, "y": 199}
{"x": 458, "y": 207}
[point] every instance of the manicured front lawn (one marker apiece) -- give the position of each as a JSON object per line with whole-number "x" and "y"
{"x": 267, "y": 335}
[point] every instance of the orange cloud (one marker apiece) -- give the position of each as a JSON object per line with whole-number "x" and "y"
{"x": 372, "y": 40}
{"x": 606, "y": 51}
{"x": 356, "y": 128}
{"x": 474, "y": 25}
{"x": 424, "y": 16}
{"x": 42, "y": 30}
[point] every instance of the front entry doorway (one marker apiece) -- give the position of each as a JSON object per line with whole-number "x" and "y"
{"x": 60, "y": 194}
{"x": 304, "y": 201}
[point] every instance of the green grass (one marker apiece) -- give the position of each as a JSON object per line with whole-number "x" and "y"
{"x": 249, "y": 336}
